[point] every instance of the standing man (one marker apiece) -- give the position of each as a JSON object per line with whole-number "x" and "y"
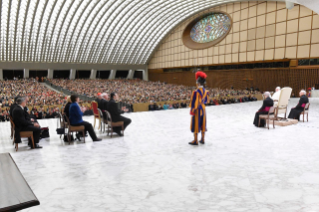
{"x": 115, "y": 113}
{"x": 198, "y": 110}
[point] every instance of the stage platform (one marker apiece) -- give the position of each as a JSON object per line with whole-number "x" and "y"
{"x": 153, "y": 169}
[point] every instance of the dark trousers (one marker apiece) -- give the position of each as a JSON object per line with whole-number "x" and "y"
{"x": 295, "y": 114}
{"x": 126, "y": 121}
{"x": 256, "y": 120}
{"x": 36, "y": 132}
{"x": 88, "y": 128}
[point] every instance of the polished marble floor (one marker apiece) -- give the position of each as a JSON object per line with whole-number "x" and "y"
{"x": 153, "y": 169}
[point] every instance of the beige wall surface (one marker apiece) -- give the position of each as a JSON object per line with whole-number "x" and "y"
{"x": 260, "y": 31}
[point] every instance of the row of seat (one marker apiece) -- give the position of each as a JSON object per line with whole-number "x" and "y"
{"x": 103, "y": 123}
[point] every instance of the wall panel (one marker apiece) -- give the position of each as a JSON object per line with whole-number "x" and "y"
{"x": 257, "y": 26}
{"x": 265, "y": 79}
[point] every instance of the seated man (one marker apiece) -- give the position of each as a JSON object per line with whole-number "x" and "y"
{"x": 295, "y": 112}
{"x": 103, "y": 104}
{"x": 116, "y": 114}
{"x": 98, "y": 99}
{"x": 267, "y": 104}
{"x": 12, "y": 107}
{"x": 75, "y": 119}
{"x": 22, "y": 123}
{"x": 276, "y": 95}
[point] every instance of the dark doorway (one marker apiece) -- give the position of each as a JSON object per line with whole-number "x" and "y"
{"x": 82, "y": 74}
{"x": 138, "y": 75}
{"x": 41, "y": 74}
{"x": 58, "y": 74}
{"x": 103, "y": 74}
{"x": 120, "y": 74}
{"x": 10, "y": 74}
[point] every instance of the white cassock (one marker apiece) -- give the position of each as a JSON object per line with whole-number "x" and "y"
{"x": 276, "y": 96}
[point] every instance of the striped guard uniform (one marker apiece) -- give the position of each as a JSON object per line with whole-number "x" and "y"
{"x": 198, "y": 111}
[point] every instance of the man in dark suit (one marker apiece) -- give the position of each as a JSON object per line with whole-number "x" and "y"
{"x": 267, "y": 104}
{"x": 24, "y": 124}
{"x": 295, "y": 112}
{"x": 115, "y": 113}
{"x": 98, "y": 99}
{"x": 13, "y": 105}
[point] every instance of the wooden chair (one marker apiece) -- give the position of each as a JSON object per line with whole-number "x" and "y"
{"x": 272, "y": 115}
{"x": 111, "y": 124}
{"x": 73, "y": 128}
{"x": 96, "y": 114}
{"x": 102, "y": 120}
{"x": 305, "y": 111}
{"x": 23, "y": 134}
{"x": 12, "y": 128}
{"x": 63, "y": 123}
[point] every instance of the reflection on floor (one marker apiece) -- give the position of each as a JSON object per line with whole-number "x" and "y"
{"x": 152, "y": 168}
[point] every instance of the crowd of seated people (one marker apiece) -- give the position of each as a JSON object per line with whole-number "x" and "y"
{"x": 139, "y": 91}
{"x": 38, "y": 93}
{"x": 215, "y": 99}
{"x": 129, "y": 91}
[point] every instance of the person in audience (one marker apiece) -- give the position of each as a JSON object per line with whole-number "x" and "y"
{"x": 151, "y": 106}
{"x": 183, "y": 105}
{"x": 76, "y": 114}
{"x": 296, "y": 111}
{"x": 159, "y": 106}
{"x": 267, "y": 104}
{"x": 115, "y": 113}
{"x": 165, "y": 106}
{"x": 22, "y": 123}
{"x": 176, "y": 105}
{"x": 198, "y": 109}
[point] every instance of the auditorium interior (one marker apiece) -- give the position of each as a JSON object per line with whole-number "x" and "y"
{"x": 159, "y": 106}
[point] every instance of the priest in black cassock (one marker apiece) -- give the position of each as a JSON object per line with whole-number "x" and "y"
{"x": 267, "y": 104}
{"x": 295, "y": 112}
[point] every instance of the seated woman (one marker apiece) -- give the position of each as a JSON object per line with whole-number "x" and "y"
{"x": 66, "y": 110}
{"x": 75, "y": 116}
{"x": 267, "y": 104}
{"x": 295, "y": 112}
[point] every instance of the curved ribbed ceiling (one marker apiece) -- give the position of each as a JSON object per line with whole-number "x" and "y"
{"x": 90, "y": 31}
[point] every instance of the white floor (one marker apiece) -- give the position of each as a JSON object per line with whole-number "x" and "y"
{"x": 152, "y": 168}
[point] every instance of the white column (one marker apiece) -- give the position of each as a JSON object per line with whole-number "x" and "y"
{"x": 93, "y": 74}
{"x": 50, "y": 74}
{"x": 1, "y": 74}
{"x": 112, "y": 74}
{"x": 72, "y": 73}
{"x": 145, "y": 74}
{"x": 26, "y": 73}
{"x": 130, "y": 74}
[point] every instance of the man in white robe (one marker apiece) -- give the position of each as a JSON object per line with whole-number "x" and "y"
{"x": 276, "y": 95}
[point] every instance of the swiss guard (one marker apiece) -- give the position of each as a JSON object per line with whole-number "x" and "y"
{"x": 198, "y": 111}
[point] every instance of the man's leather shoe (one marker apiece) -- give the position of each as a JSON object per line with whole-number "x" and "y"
{"x": 119, "y": 133}
{"x": 78, "y": 136}
{"x": 98, "y": 139}
{"x": 37, "y": 146}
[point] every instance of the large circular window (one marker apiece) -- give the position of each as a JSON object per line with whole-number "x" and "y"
{"x": 207, "y": 30}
